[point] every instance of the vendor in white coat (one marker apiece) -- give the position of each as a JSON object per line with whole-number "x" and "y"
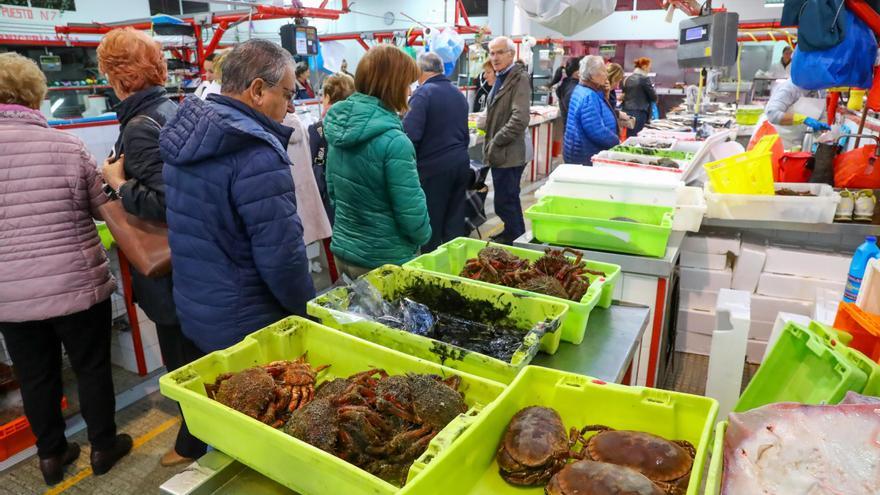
{"x": 793, "y": 111}
{"x": 782, "y": 69}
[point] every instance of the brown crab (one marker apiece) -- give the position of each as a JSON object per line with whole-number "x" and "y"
{"x": 599, "y": 478}
{"x": 534, "y": 447}
{"x": 666, "y": 463}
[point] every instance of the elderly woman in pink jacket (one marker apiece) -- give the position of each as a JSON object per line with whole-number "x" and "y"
{"x": 55, "y": 284}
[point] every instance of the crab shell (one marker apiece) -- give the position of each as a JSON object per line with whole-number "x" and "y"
{"x": 599, "y": 478}
{"x": 655, "y": 457}
{"x": 534, "y": 446}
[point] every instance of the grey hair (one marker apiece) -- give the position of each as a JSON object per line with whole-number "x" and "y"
{"x": 431, "y": 62}
{"x": 511, "y": 46}
{"x": 255, "y": 58}
{"x": 590, "y": 65}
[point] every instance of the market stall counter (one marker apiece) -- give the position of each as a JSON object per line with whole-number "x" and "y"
{"x": 612, "y": 337}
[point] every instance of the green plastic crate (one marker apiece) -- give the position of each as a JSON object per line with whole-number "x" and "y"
{"x": 469, "y": 467}
{"x": 539, "y": 318}
{"x": 283, "y": 458}
{"x": 801, "y": 368}
{"x": 450, "y": 258}
{"x": 665, "y": 153}
{"x": 606, "y": 225}
{"x": 716, "y": 462}
{"x": 839, "y": 340}
{"x": 107, "y": 239}
{"x": 748, "y": 116}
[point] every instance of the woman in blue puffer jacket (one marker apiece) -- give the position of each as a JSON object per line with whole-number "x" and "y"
{"x": 591, "y": 125}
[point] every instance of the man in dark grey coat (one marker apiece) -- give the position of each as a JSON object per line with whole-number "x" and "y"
{"x": 507, "y": 118}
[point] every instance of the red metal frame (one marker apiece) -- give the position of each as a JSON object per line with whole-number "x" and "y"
{"x": 659, "y": 313}
{"x": 864, "y": 12}
{"x": 412, "y": 35}
{"x": 222, "y": 21}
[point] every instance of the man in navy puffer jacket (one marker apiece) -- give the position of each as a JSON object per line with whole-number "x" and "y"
{"x": 236, "y": 240}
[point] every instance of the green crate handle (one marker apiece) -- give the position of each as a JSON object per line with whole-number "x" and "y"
{"x": 657, "y": 397}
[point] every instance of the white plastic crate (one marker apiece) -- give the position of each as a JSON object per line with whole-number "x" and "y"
{"x": 806, "y": 209}
{"x": 690, "y": 208}
{"x": 625, "y": 185}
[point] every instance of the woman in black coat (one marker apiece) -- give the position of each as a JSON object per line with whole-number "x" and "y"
{"x": 136, "y": 71}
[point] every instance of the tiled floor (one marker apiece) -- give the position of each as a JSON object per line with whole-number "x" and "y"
{"x": 152, "y": 422}
{"x": 690, "y": 370}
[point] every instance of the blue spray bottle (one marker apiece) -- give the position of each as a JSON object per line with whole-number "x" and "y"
{"x": 861, "y": 257}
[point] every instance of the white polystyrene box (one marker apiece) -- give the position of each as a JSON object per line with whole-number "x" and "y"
{"x": 711, "y": 244}
{"x": 693, "y": 299}
{"x": 704, "y": 280}
{"x": 748, "y": 267}
{"x": 755, "y": 351}
{"x": 760, "y": 330}
{"x": 693, "y": 343}
{"x": 706, "y": 261}
{"x": 813, "y": 264}
{"x": 794, "y": 287}
{"x": 766, "y": 308}
{"x": 696, "y": 321}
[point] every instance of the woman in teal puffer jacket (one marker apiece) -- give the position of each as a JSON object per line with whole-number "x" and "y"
{"x": 372, "y": 181}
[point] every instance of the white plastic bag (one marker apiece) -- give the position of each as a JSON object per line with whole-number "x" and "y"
{"x": 567, "y": 16}
{"x": 446, "y": 43}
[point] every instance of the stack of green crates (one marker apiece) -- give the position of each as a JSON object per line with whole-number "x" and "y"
{"x": 450, "y": 258}
{"x": 541, "y": 316}
{"x": 807, "y": 365}
{"x": 607, "y": 225}
{"x": 469, "y": 467}
{"x": 281, "y": 457}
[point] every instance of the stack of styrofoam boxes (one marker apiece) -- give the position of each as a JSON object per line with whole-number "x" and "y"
{"x": 122, "y": 351}
{"x": 780, "y": 279}
{"x": 791, "y": 281}
{"x": 705, "y": 269}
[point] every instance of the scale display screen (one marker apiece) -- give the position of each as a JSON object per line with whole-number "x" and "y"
{"x": 695, "y": 34}
{"x": 299, "y": 40}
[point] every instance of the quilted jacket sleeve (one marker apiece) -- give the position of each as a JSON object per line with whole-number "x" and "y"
{"x": 263, "y": 195}
{"x": 597, "y": 122}
{"x": 414, "y": 120}
{"x": 143, "y": 194}
{"x": 93, "y": 182}
{"x": 405, "y": 192}
{"x": 516, "y": 126}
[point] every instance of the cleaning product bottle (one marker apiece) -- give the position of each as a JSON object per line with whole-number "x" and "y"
{"x": 863, "y": 254}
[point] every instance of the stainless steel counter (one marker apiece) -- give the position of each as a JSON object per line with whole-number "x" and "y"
{"x": 630, "y": 263}
{"x": 859, "y": 229}
{"x": 606, "y": 352}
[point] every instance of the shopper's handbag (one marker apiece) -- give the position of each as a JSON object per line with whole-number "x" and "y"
{"x": 144, "y": 242}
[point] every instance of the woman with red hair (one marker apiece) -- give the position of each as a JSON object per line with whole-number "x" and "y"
{"x": 639, "y": 94}
{"x": 136, "y": 70}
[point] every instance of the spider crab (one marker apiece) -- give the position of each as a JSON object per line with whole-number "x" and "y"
{"x": 268, "y": 393}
